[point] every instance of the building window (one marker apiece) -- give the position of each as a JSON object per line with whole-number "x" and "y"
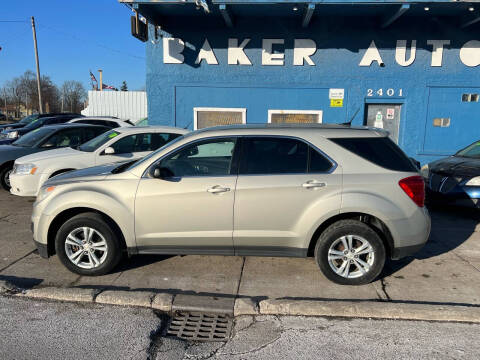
{"x": 441, "y": 122}
{"x": 470, "y": 97}
{"x": 206, "y": 117}
{"x": 294, "y": 116}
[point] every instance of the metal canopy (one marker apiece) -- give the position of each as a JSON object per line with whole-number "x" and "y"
{"x": 225, "y": 12}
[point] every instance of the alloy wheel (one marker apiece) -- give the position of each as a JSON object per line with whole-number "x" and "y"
{"x": 86, "y": 248}
{"x": 351, "y": 256}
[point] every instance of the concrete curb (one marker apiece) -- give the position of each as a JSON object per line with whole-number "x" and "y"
{"x": 246, "y": 306}
{"x": 371, "y": 309}
{"x": 60, "y": 294}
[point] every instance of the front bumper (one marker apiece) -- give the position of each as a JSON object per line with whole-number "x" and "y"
{"x": 466, "y": 196}
{"x": 401, "y": 252}
{"x": 42, "y": 249}
{"x": 25, "y": 185}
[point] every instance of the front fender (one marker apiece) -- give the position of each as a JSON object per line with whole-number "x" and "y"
{"x": 121, "y": 213}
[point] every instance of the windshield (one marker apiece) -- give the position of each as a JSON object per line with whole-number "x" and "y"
{"x": 471, "y": 151}
{"x": 152, "y": 154}
{"x": 33, "y": 137}
{"x": 28, "y": 119}
{"x": 100, "y": 140}
{"x": 35, "y": 123}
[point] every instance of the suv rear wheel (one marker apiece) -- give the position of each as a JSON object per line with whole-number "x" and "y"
{"x": 349, "y": 252}
{"x": 86, "y": 245}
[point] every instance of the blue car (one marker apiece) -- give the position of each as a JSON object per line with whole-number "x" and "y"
{"x": 455, "y": 180}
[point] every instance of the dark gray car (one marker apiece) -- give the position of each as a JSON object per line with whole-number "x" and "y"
{"x": 44, "y": 138}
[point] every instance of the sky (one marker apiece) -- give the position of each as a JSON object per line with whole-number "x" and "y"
{"x": 74, "y": 36}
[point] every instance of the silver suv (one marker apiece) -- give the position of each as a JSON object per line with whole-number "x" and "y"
{"x": 347, "y": 196}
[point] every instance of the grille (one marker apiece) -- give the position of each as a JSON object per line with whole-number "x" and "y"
{"x": 200, "y": 327}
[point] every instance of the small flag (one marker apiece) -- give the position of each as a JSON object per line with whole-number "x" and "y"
{"x": 92, "y": 76}
{"x": 105, "y": 86}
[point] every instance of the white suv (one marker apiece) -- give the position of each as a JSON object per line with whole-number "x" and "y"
{"x": 349, "y": 197}
{"x": 118, "y": 145}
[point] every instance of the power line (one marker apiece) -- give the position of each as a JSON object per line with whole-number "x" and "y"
{"x": 13, "y": 21}
{"x": 85, "y": 40}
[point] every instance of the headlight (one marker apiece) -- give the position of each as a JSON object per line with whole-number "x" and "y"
{"x": 44, "y": 192}
{"x": 12, "y": 135}
{"x": 425, "y": 171}
{"x": 473, "y": 181}
{"x": 24, "y": 169}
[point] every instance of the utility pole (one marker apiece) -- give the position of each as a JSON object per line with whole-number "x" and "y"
{"x": 5, "y": 98}
{"x": 38, "y": 67}
{"x": 101, "y": 79}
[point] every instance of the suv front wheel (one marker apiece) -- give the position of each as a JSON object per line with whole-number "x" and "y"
{"x": 86, "y": 245}
{"x": 350, "y": 252}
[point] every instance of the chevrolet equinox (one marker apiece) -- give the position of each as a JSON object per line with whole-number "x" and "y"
{"x": 347, "y": 196}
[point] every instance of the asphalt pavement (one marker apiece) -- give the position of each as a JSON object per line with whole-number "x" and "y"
{"x": 54, "y": 330}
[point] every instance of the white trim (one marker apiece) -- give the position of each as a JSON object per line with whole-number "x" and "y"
{"x": 240, "y": 110}
{"x": 315, "y": 112}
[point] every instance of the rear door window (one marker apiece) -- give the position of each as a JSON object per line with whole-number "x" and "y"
{"x": 380, "y": 151}
{"x": 270, "y": 155}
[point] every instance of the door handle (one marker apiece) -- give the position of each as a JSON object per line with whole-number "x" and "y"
{"x": 217, "y": 189}
{"x": 313, "y": 184}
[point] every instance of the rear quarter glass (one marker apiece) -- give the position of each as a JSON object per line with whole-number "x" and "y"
{"x": 380, "y": 151}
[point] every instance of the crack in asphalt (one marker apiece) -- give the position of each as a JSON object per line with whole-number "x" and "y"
{"x": 5, "y": 219}
{"x": 384, "y": 289}
{"x": 157, "y": 335}
{"x": 465, "y": 260}
{"x": 15, "y": 261}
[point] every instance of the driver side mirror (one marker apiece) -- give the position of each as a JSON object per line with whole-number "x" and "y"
{"x": 109, "y": 151}
{"x": 162, "y": 173}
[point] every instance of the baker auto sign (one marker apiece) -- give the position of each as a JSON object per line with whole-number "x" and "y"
{"x": 304, "y": 49}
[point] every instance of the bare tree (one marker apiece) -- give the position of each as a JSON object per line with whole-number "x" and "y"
{"x": 13, "y": 92}
{"x": 74, "y": 95}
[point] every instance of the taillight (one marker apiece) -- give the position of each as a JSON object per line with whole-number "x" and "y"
{"x": 414, "y": 187}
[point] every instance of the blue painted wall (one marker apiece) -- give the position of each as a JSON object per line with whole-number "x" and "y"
{"x": 426, "y": 92}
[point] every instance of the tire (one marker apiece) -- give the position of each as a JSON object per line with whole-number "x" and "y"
{"x": 4, "y": 173}
{"x": 333, "y": 241}
{"x": 101, "y": 233}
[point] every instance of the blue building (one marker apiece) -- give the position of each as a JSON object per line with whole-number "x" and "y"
{"x": 409, "y": 67}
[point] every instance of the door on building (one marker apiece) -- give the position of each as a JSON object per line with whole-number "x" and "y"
{"x": 384, "y": 116}
{"x": 452, "y": 119}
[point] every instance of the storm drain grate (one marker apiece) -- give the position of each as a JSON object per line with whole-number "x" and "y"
{"x": 200, "y": 326}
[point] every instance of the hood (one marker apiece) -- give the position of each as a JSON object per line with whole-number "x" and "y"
{"x": 6, "y": 141}
{"x": 51, "y": 155}
{"x": 456, "y": 165}
{"x": 13, "y": 126}
{"x": 10, "y": 152}
{"x": 88, "y": 174}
